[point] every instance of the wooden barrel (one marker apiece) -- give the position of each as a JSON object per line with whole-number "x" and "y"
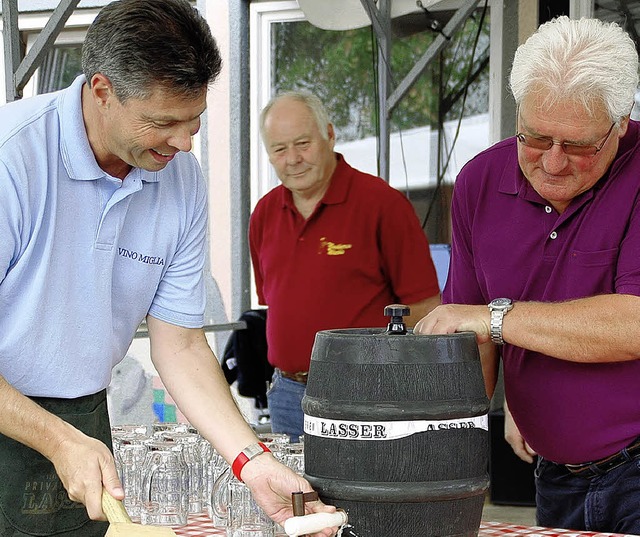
{"x": 396, "y": 431}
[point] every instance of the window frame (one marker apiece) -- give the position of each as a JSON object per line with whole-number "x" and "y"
{"x": 261, "y": 16}
{"x": 73, "y": 34}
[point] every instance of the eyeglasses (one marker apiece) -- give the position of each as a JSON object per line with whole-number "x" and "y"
{"x": 544, "y": 143}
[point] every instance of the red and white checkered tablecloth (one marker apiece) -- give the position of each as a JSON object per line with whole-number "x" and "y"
{"x": 490, "y": 529}
{"x": 201, "y": 526}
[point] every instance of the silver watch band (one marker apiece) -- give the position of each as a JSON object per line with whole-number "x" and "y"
{"x": 497, "y": 317}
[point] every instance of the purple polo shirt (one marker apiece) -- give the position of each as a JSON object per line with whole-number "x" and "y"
{"x": 509, "y": 242}
{"x": 362, "y": 249}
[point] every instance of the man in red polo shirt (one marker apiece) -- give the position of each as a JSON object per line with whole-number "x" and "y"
{"x": 331, "y": 247}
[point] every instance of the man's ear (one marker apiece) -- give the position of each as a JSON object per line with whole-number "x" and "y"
{"x": 102, "y": 91}
{"x": 624, "y": 124}
{"x": 331, "y": 135}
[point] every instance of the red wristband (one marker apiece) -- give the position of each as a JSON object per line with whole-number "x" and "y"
{"x": 247, "y": 454}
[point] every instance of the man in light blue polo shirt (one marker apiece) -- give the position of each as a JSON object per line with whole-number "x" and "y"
{"x": 103, "y": 214}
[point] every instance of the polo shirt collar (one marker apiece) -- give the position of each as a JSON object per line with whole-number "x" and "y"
{"x": 77, "y": 155}
{"x": 340, "y": 182}
{"x": 513, "y": 180}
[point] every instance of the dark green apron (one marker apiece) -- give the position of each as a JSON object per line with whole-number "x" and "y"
{"x": 33, "y": 501}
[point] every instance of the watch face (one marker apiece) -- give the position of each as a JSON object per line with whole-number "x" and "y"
{"x": 253, "y": 451}
{"x": 500, "y": 303}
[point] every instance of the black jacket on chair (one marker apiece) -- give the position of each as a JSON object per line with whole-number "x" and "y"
{"x": 245, "y": 357}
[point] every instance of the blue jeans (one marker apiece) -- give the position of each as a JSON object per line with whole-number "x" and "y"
{"x": 608, "y": 503}
{"x": 285, "y": 406}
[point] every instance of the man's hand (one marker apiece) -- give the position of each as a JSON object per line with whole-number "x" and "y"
{"x": 272, "y": 483}
{"x": 450, "y": 318}
{"x": 82, "y": 463}
{"x": 514, "y": 438}
{"x": 84, "y": 466}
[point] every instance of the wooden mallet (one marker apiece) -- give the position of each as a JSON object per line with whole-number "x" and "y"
{"x": 120, "y": 524}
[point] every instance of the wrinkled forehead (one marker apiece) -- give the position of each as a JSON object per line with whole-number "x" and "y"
{"x": 543, "y": 104}
{"x": 288, "y": 121}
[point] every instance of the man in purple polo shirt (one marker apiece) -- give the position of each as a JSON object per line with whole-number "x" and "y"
{"x": 550, "y": 219}
{"x": 331, "y": 247}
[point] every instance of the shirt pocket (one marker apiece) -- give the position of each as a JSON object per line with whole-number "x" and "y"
{"x": 599, "y": 258}
{"x": 593, "y": 272}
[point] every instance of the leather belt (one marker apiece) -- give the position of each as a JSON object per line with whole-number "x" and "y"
{"x": 298, "y": 376}
{"x": 589, "y": 470}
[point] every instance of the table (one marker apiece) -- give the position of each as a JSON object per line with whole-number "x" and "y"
{"x": 200, "y": 526}
{"x": 490, "y": 529}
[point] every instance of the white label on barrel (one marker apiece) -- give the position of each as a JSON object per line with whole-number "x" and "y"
{"x": 386, "y": 430}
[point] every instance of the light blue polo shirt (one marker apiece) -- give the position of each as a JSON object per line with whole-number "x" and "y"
{"x": 84, "y": 256}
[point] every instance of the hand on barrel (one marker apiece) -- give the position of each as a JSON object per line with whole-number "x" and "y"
{"x": 450, "y": 318}
{"x": 272, "y": 483}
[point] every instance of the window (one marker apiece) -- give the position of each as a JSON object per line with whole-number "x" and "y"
{"x": 59, "y": 68}
{"x": 439, "y": 124}
{"x": 61, "y": 64}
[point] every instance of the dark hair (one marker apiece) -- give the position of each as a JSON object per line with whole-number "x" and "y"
{"x": 142, "y": 44}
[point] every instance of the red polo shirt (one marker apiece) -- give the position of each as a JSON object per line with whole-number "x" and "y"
{"x": 362, "y": 249}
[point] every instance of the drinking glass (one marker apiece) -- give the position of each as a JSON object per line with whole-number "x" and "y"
{"x": 246, "y": 518}
{"x": 192, "y": 446}
{"x": 130, "y": 455}
{"x": 165, "y": 485}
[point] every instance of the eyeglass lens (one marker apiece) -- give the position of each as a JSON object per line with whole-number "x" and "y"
{"x": 544, "y": 143}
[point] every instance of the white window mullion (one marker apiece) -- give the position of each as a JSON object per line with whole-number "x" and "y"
{"x": 261, "y": 18}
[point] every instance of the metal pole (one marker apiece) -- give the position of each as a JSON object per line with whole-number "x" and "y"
{"x": 380, "y": 16}
{"x": 12, "y": 53}
{"x": 440, "y": 42}
{"x": 384, "y": 83}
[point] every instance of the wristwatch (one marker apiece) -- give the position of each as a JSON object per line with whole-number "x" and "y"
{"x": 498, "y": 308}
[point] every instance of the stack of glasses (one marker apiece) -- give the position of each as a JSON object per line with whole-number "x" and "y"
{"x": 170, "y": 472}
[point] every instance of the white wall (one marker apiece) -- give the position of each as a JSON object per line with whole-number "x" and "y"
{"x": 218, "y": 145}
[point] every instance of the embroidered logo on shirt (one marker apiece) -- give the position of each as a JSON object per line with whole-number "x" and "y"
{"x": 331, "y": 248}
{"x": 137, "y": 256}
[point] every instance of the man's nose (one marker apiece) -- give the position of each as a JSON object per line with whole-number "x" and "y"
{"x": 182, "y": 137}
{"x": 554, "y": 159}
{"x": 181, "y": 142}
{"x": 293, "y": 155}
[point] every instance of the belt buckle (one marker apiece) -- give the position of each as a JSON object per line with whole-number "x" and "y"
{"x": 586, "y": 471}
{"x": 298, "y": 376}
{"x": 578, "y": 468}
{"x": 301, "y": 376}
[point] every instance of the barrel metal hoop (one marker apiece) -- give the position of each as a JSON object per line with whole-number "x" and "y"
{"x": 384, "y": 492}
{"x": 393, "y": 410}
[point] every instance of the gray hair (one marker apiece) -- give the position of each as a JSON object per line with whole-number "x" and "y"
{"x": 313, "y": 103}
{"x": 587, "y": 61}
{"x": 143, "y": 44}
